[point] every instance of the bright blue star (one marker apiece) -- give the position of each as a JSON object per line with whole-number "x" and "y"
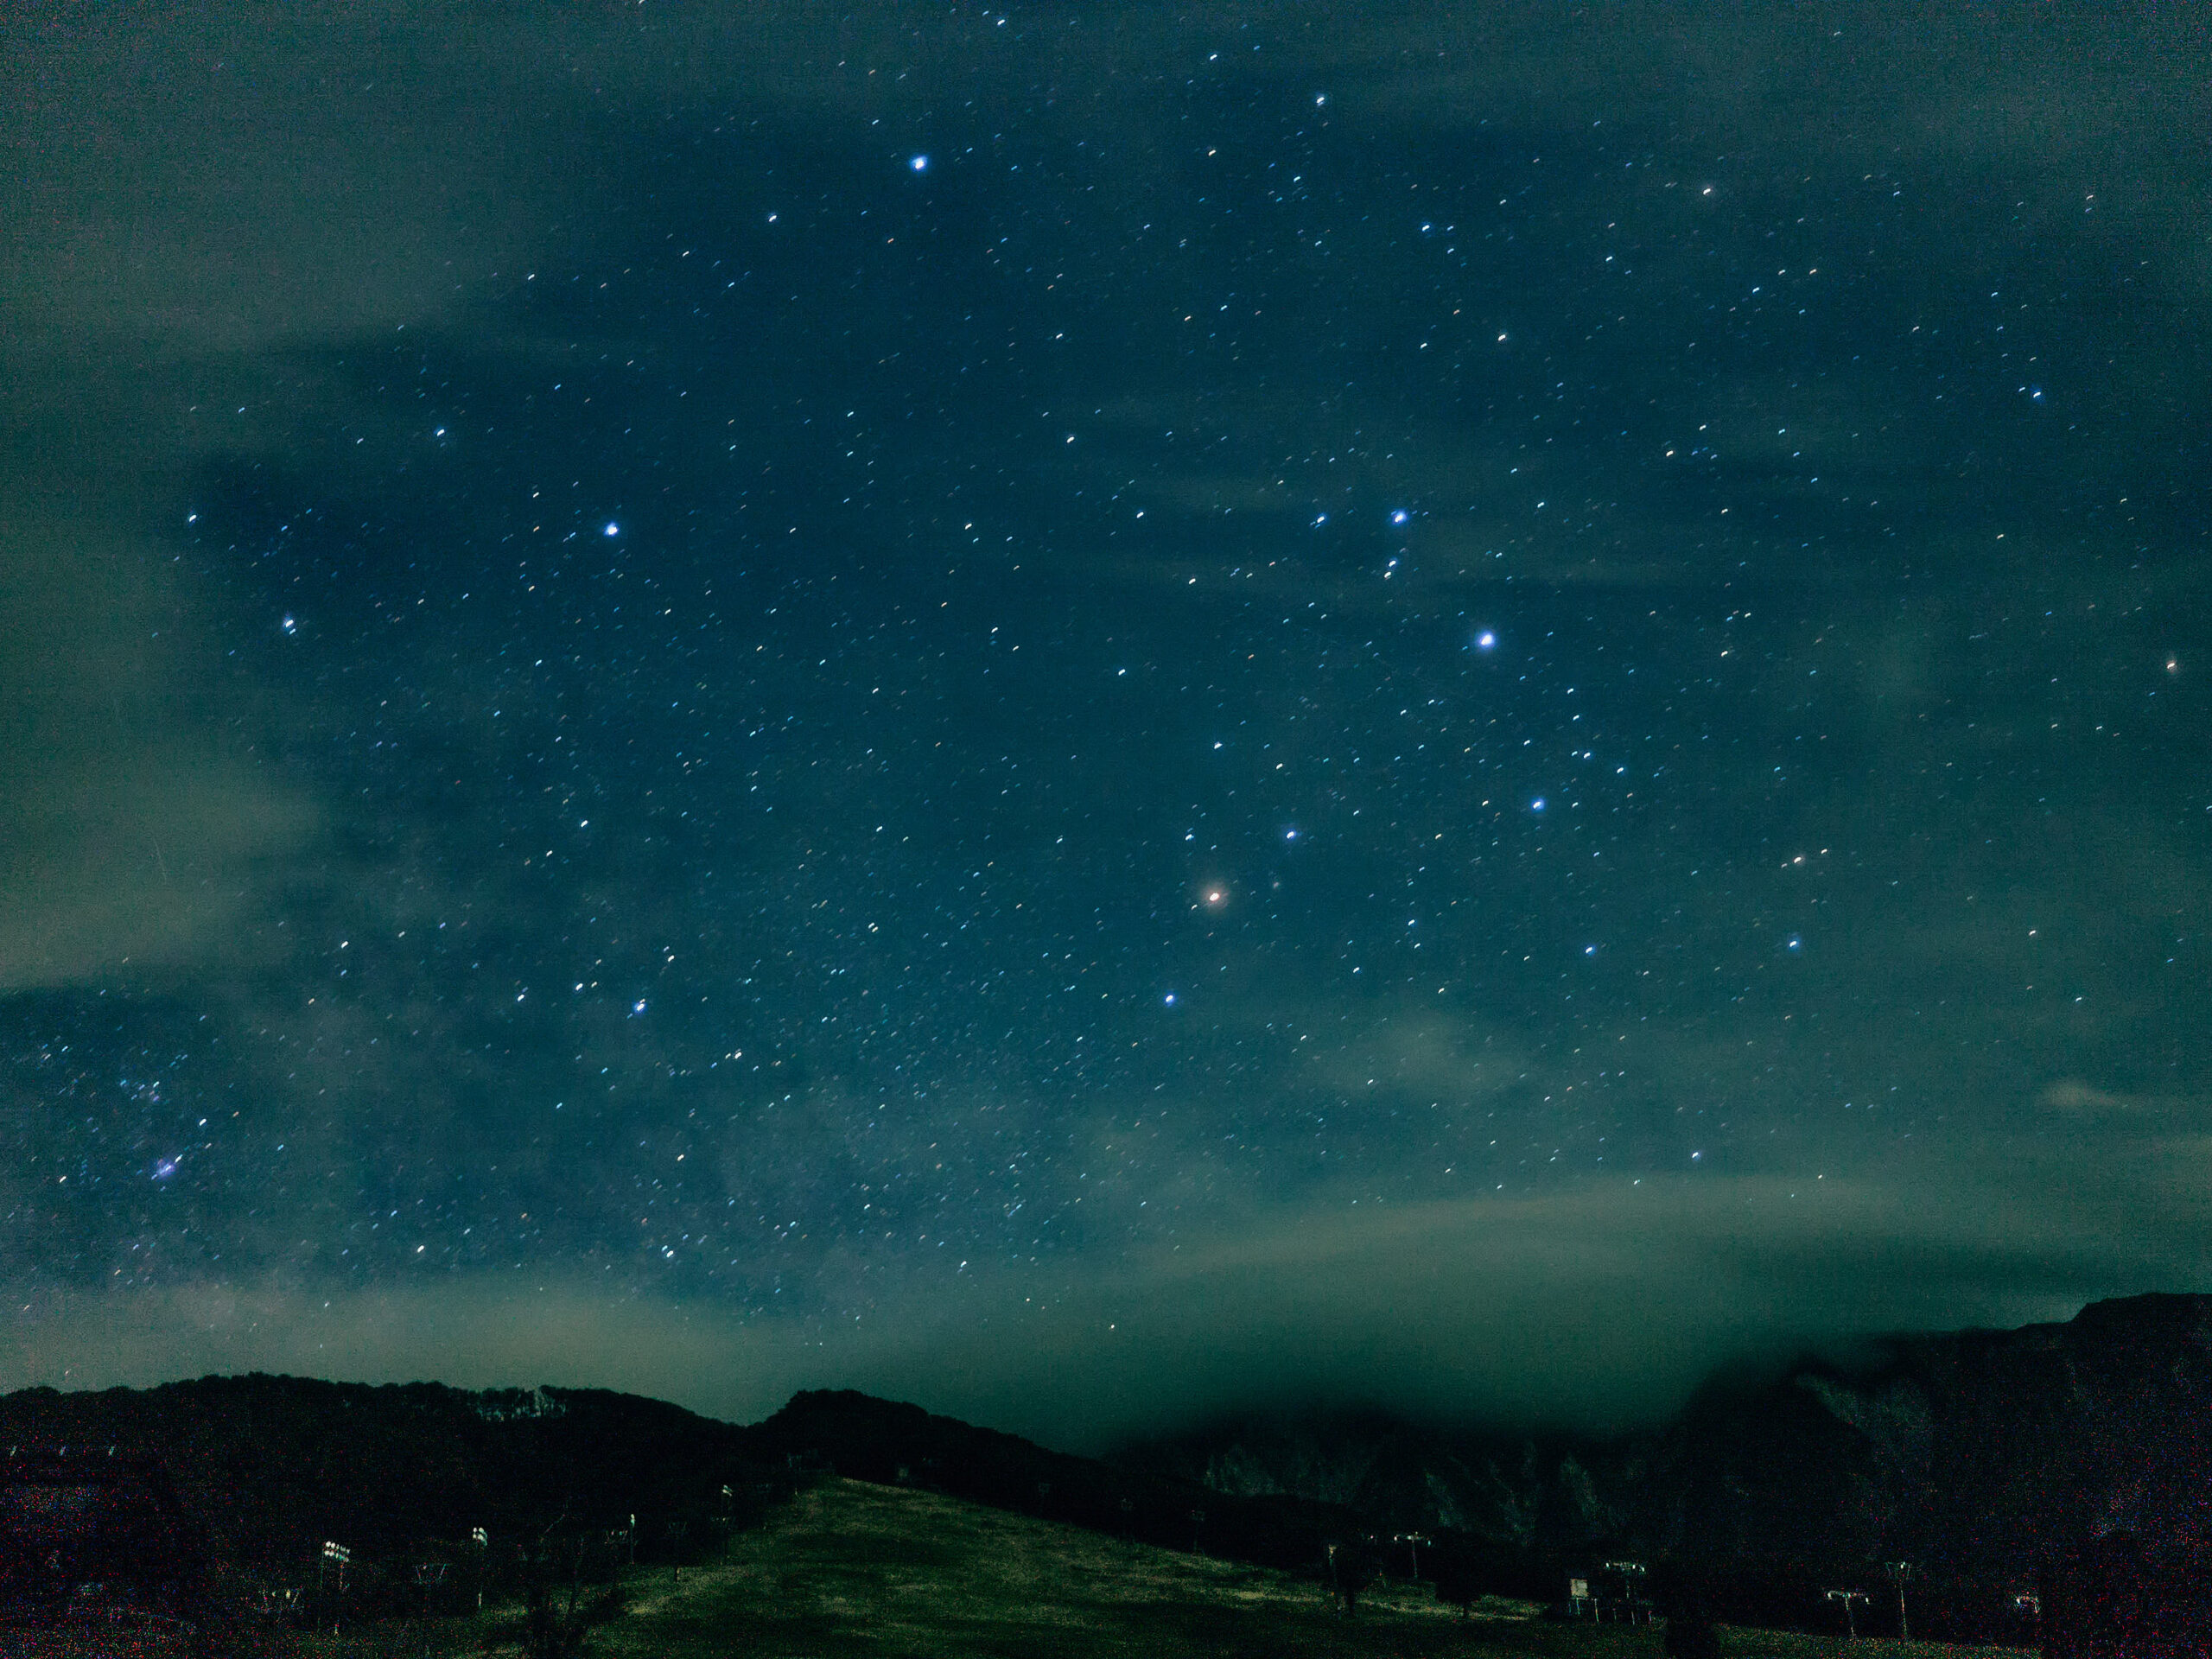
{"x": 919, "y": 163}
{"x": 613, "y": 529}
{"x": 1484, "y": 640}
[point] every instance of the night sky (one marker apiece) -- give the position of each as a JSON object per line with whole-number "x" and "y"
{"x": 1090, "y": 715}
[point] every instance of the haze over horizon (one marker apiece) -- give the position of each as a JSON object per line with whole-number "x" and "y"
{"x": 1098, "y": 714}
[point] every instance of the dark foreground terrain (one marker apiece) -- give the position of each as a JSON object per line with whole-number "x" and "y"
{"x": 850, "y": 1570}
{"x": 2068, "y": 1467}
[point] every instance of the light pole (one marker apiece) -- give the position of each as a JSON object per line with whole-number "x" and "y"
{"x": 1413, "y": 1542}
{"x": 1631, "y": 1583}
{"x": 1900, "y": 1571}
{"x": 1850, "y": 1599}
{"x": 335, "y": 1554}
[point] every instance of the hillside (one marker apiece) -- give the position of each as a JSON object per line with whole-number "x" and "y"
{"x": 1987, "y": 1459}
{"x": 857, "y": 1569}
{"x": 269, "y": 1466}
{"x": 848, "y": 1569}
{"x": 1982, "y": 1457}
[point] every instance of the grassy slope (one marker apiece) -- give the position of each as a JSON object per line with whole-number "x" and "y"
{"x": 851, "y": 1569}
{"x": 848, "y": 1569}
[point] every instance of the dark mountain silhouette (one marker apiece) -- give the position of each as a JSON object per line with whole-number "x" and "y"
{"x": 1984, "y": 1458}
{"x": 2072, "y": 1461}
{"x": 273, "y": 1465}
{"x": 268, "y": 1468}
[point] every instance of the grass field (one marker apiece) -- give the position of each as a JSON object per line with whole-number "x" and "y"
{"x": 851, "y": 1570}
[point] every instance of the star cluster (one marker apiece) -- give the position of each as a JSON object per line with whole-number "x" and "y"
{"x": 1035, "y": 651}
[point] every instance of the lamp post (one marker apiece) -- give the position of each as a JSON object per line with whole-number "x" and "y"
{"x": 1850, "y": 1599}
{"x": 1632, "y": 1574}
{"x": 1413, "y": 1542}
{"x": 335, "y": 1554}
{"x": 1900, "y": 1571}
